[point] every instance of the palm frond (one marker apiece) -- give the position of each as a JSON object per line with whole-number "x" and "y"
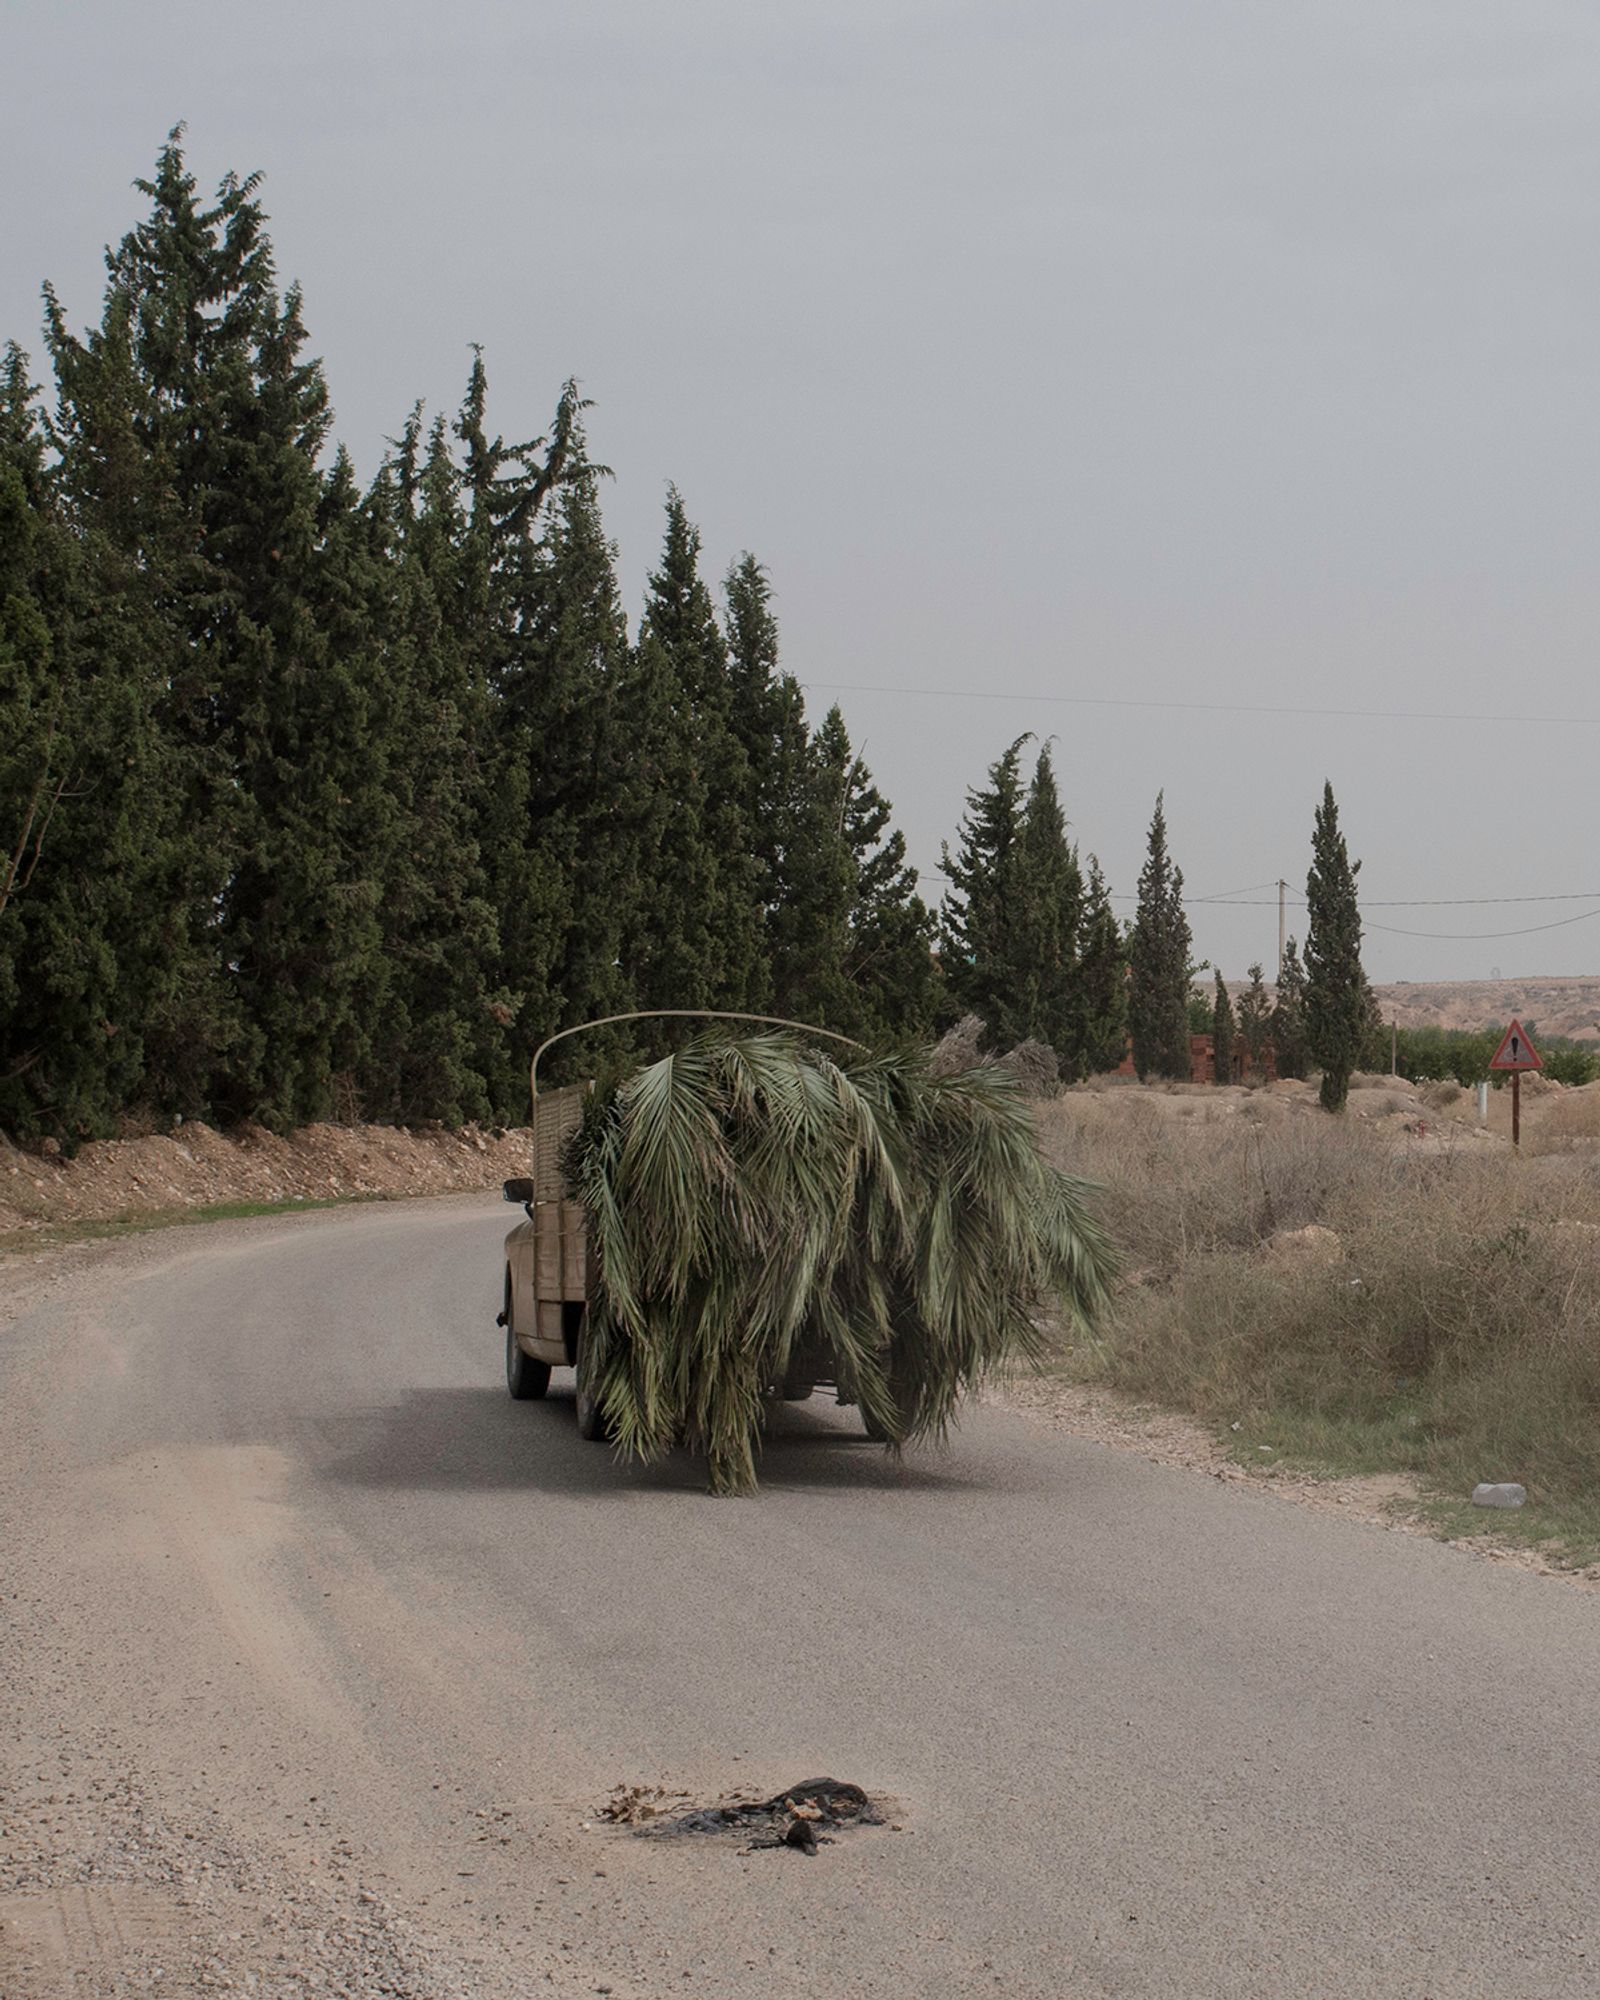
{"x": 751, "y": 1200}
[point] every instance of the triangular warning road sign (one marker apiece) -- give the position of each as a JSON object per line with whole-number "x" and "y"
{"x": 1516, "y": 1051}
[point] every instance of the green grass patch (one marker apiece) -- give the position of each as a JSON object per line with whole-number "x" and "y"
{"x": 1565, "y": 1531}
{"x": 1324, "y": 1445}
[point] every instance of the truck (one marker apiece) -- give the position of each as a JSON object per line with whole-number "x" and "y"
{"x": 548, "y": 1271}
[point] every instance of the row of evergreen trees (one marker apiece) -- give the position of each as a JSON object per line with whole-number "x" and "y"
{"x": 321, "y": 799}
{"x": 324, "y": 800}
{"x": 1030, "y": 945}
{"x": 1028, "y": 939}
{"x": 1322, "y": 1014}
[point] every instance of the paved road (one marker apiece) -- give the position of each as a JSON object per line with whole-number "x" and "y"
{"x": 354, "y": 1646}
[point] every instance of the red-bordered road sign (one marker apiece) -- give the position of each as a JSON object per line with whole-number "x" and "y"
{"x": 1516, "y": 1052}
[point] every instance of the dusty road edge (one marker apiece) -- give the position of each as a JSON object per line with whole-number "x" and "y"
{"x": 1393, "y": 1501}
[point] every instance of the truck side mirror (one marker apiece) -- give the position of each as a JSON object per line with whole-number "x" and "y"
{"x": 519, "y": 1191}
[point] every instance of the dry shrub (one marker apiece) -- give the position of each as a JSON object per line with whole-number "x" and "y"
{"x": 1034, "y": 1064}
{"x": 1467, "y": 1296}
{"x": 1574, "y": 1115}
{"x": 960, "y": 1047}
{"x": 1183, "y": 1177}
{"x": 1444, "y": 1095}
{"x": 1036, "y": 1067}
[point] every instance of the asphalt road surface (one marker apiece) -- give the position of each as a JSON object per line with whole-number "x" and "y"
{"x": 319, "y": 1655}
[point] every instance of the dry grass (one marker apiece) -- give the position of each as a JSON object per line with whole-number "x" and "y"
{"x": 1449, "y": 1326}
{"x": 1571, "y": 1118}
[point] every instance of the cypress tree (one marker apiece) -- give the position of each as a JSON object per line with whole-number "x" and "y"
{"x": 192, "y": 421}
{"x": 36, "y": 693}
{"x": 1044, "y": 947}
{"x": 789, "y": 842}
{"x": 1103, "y": 971}
{"x": 445, "y": 1021}
{"x": 87, "y": 812}
{"x": 1158, "y": 984}
{"x": 1288, "y": 1016}
{"x": 1222, "y": 1034}
{"x": 815, "y": 888}
{"x": 1255, "y": 1016}
{"x": 145, "y": 419}
{"x": 300, "y": 931}
{"x": 889, "y": 966}
{"x": 579, "y": 742}
{"x": 700, "y": 942}
{"x": 548, "y": 598}
{"x": 43, "y": 780}
{"x": 983, "y": 913}
{"x": 1338, "y": 1002}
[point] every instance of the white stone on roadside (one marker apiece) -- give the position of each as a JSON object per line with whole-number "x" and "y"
{"x": 1311, "y": 1247}
{"x": 1509, "y": 1494}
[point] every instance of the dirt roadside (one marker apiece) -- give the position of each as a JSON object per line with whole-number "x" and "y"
{"x": 123, "y": 1874}
{"x": 1167, "y": 1437}
{"x": 195, "y": 1167}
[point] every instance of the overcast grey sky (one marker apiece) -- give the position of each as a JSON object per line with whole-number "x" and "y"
{"x": 1049, "y": 355}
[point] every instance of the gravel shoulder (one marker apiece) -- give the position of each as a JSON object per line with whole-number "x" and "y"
{"x": 1389, "y": 1500}
{"x": 128, "y": 1864}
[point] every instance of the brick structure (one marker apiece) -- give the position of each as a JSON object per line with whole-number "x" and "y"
{"x": 1202, "y": 1068}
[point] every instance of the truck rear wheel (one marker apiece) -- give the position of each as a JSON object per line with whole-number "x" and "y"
{"x": 526, "y": 1378}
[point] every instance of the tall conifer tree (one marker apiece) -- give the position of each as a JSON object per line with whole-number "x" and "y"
{"x": 1338, "y": 1003}
{"x": 1158, "y": 984}
{"x": 149, "y": 421}
{"x": 1046, "y": 944}
{"x": 1103, "y": 963}
{"x": 788, "y": 843}
{"x": 580, "y": 747}
{"x": 430, "y": 1054}
{"x": 1222, "y": 1033}
{"x": 1255, "y": 1016}
{"x": 88, "y": 817}
{"x": 700, "y": 945}
{"x": 983, "y": 914}
{"x": 889, "y": 965}
{"x": 1289, "y": 1016}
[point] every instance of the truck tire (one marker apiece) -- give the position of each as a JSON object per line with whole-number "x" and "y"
{"x": 526, "y": 1379}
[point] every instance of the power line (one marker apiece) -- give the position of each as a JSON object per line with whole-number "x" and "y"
{"x": 1470, "y": 937}
{"x": 1203, "y": 707}
{"x": 1237, "y": 899}
{"x": 1437, "y": 902}
{"x": 1226, "y": 895}
{"x": 1445, "y": 902}
{"x": 1232, "y": 899}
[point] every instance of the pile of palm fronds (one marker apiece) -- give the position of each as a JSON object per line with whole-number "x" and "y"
{"x": 757, "y": 1209}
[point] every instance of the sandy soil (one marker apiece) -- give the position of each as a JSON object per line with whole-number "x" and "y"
{"x": 1556, "y": 1118}
{"x": 1568, "y": 1007}
{"x": 195, "y": 1167}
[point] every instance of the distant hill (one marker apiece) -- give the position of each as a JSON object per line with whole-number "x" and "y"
{"x": 1569, "y": 1007}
